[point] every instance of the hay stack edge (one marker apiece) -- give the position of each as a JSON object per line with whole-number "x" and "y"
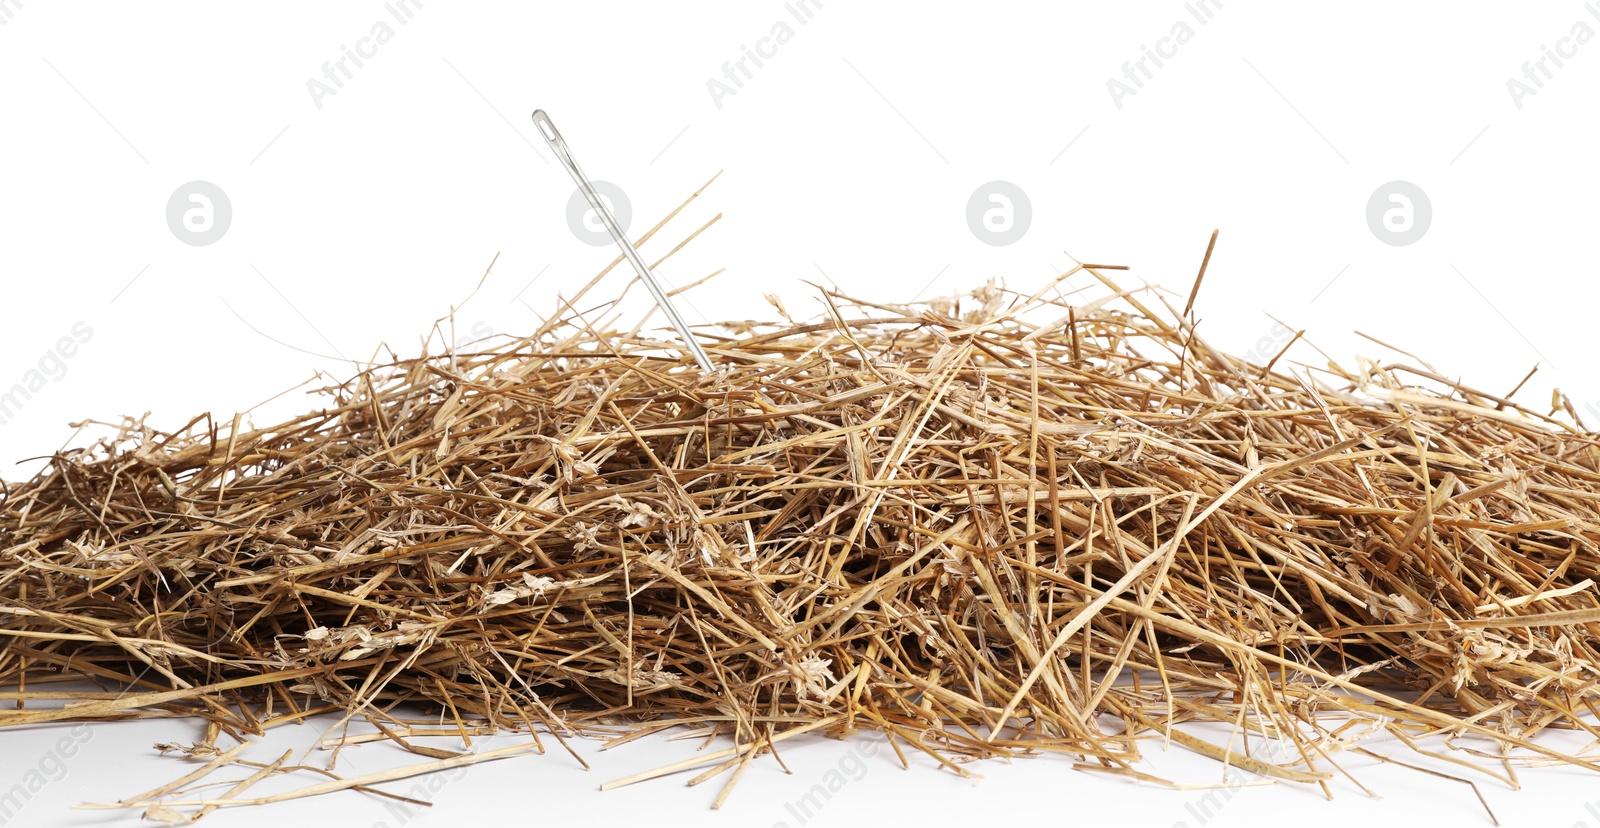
{"x": 989, "y": 526}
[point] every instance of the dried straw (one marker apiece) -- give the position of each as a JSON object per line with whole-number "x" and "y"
{"x": 985, "y": 527}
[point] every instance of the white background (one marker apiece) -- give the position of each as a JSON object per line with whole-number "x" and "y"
{"x": 849, "y": 156}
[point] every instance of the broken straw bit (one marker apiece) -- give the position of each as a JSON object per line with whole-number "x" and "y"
{"x": 564, "y": 155}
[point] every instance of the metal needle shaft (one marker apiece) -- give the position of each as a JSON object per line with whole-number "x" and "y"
{"x": 564, "y": 155}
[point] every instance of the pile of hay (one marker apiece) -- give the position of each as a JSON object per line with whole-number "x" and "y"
{"x": 990, "y": 526}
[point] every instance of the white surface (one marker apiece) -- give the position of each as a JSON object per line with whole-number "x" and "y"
{"x": 852, "y": 151}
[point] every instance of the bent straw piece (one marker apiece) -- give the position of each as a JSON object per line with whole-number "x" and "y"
{"x": 1169, "y": 784}
{"x": 341, "y": 784}
{"x": 99, "y": 709}
{"x": 712, "y": 757}
{"x": 246, "y": 783}
{"x": 221, "y": 759}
